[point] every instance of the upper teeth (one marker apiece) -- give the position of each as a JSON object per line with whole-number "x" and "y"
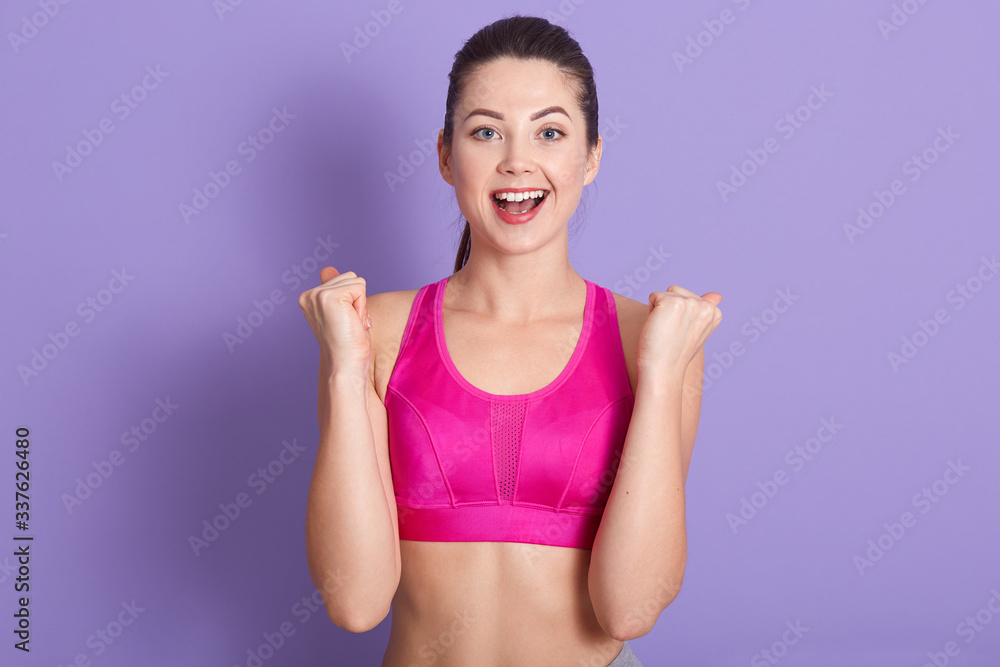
{"x": 520, "y": 196}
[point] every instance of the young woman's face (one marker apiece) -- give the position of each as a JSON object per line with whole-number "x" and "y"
{"x": 518, "y": 126}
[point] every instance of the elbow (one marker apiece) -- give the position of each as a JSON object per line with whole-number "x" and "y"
{"x": 354, "y": 602}
{"x": 354, "y": 620}
{"x": 635, "y": 617}
{"x": 636, "y": 622}
{"x": 626, "y": 635}
{"x": 631, "y": 626}
{"x": 353, "y": 609}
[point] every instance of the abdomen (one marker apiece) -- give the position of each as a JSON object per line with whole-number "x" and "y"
{"x": 494, "y": 604}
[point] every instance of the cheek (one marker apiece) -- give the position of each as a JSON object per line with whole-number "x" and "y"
{"x": 469, "y": 169}
{"x": 569, "y": 168}
{"x": 579, "y": 162}
{"x": 468, "y": 153}
{"x": 567, "y": 176}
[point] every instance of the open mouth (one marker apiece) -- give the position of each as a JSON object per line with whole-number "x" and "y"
{"x": 508, "y": 201}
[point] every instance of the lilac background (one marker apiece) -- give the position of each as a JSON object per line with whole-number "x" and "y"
{"x": 670, "y": 134}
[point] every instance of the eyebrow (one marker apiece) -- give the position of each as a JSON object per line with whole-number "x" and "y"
{"x": 534, "y": 116}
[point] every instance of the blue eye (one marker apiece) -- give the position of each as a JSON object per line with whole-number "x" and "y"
{"x": 549, "y": 134}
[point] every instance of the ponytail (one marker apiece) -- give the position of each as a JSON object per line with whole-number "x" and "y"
{"x": 463, "y": 248}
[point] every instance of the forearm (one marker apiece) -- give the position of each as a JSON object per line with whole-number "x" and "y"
{"x": 350, "y": 539}
{"x": 639, "y": 555}
{"x": 694, "y": 378}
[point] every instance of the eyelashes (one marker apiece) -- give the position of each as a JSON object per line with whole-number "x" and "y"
{"x": 476, "y": 132}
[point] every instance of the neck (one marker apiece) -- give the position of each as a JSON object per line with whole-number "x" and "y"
{"x": 517, "y": 288}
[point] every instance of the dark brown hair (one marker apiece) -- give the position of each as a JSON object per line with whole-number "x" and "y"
{"x": 524, "y": 38}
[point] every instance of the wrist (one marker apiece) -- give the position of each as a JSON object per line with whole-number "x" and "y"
{"x": 660, "y": 381}
{"x": 347, "y": 381}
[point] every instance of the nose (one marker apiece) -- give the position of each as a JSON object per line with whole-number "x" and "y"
{"x": 517, "y": 158}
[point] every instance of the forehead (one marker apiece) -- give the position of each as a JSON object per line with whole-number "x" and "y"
{"x": 516, "y": 86}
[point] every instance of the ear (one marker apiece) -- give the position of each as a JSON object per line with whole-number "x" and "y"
{"x": 444, "y": 160}
{"x": 593, "y": 162}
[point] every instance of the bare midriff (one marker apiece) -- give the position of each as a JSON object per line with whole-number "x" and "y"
{"x": 494, "y": 604}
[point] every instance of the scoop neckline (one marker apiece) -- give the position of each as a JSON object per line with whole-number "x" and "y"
{"x": 581, "y": 342}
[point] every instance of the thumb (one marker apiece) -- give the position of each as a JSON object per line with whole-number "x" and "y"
{"x": 328, "y": 273}
{"x": 713, "y": 297}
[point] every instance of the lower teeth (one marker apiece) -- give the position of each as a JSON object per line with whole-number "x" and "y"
{"x": 519, "y": 212}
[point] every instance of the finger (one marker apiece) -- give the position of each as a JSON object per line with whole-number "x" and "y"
{"x": 677, "y": 289}
{"x": 328, "y": 273}
{"x": 712, "y": 297}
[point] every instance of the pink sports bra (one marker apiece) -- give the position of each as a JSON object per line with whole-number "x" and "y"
{"x": 470, "y": 466}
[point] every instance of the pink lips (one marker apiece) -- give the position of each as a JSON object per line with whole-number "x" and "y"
{"x": 520, "y": 219}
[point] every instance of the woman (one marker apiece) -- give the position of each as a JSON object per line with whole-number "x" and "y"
{"x": 468, "y": 470}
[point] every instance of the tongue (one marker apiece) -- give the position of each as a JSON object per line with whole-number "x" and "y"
{"x": 521, "y": 206}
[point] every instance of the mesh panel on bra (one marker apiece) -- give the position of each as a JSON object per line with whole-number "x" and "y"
{"x": 507, "y": 423}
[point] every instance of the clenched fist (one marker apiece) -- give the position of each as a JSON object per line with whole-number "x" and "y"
{"x": 678, "y": 324}
{"x": 338, "y": 316}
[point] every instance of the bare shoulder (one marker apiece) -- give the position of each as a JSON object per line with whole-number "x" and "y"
{"x": 390, "y": 307}
{"x": 631, "y": 316}
{"x": 389, "y": 312}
